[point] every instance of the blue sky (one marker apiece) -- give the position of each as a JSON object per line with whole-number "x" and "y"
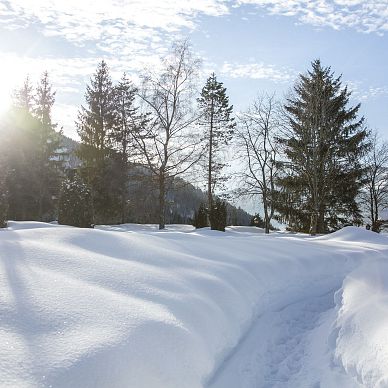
{"x": 254, "y": 46}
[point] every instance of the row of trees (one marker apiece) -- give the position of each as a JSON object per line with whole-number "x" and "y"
{"x": 310, "y": 159}
{"x": 158, "y": 125}
{"x": 30, "y": 168}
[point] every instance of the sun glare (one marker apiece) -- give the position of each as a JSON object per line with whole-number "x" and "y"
{"x": 5, "y": 96}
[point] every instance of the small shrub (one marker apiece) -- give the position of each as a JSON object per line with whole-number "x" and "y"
{"x": 75, "y": 204}
{"x": 218, "y": 215}
{"x": 200, "y": 217}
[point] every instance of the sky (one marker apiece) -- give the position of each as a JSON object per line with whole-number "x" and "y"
{"x": 254, "y": 46}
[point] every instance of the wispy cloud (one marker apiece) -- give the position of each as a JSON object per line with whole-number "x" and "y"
{"x": 365, "y": 16}
{"x": 89, "y": 20}
{"x": 258, "y": 71}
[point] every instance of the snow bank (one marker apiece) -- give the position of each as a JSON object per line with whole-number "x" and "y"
{"x": 357, "y": 235}
{"x": 361, "y": 329}
{"x": 98, "y": 308}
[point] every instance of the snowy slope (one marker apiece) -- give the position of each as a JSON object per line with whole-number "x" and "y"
{"x": 129, "y": 306}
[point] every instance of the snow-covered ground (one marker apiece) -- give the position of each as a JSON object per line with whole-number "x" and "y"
{"x": 129, "y": 306}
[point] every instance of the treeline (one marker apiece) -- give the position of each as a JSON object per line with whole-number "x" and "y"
{"x": 309, "y": 160}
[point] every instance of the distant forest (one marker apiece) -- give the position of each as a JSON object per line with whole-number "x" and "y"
{"x": 145, "y": 151}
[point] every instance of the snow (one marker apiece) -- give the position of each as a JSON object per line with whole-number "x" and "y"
{"x": 131, "y": 306}
{"x": 362, "y": 324}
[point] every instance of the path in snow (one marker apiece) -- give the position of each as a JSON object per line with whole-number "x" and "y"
{"x": 286, "y": 347}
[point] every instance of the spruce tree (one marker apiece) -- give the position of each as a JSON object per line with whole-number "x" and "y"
{"x": 325, "y": 143}
{"x": 48, "y": 163}
{"x": 216, "y": 118}
{"x": 95, "y": 125}
{"x": 129, "y": 121}
{"x": 30, "y": 148}
{"x": 24, "y": 96}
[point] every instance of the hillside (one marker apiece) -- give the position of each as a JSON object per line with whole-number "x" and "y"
{"x": 183, "y": 198}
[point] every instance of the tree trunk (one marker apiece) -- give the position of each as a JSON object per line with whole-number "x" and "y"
{"x": 162, "y": 201}
{"x": 314, "y": 223}
{"x": 266, "y": 217}
{"x": 124, "y": 187}
{"x": 209, "y": 178}
{"x": 321, "y": 220}
{"x": 375, "y": 220}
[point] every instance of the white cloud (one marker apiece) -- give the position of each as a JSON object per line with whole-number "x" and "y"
{"x": 361, "y": 92}
{"x": 80, "y": 21}
{"x": 257, "y": 71}
{"x": 366, "y": 16}
{"x": 373, "y": 92}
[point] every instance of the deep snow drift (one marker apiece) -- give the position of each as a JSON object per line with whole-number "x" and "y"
{"x": 129, "y": 306}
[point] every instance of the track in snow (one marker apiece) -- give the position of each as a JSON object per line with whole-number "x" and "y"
{"x": 285, "y": 348}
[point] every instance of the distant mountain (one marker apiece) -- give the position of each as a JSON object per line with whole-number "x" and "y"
{"x": 67, "y": 151}
{"x": 182, "y": 198}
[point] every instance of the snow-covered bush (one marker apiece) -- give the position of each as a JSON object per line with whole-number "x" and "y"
{"x": 75, "y": 204}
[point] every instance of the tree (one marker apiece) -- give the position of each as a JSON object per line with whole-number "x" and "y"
{"x": 96, "y": 120}
{"x": 30, "y": 148}
{"x": 49, "y": 166}
{"x": 129, "y": 121}
{"x": 169, "y": 145}
{"x": 95, "y": 125}
{"x": 75, "y": 206}
{"x": 324, "y": 145}
{"x": 200, "y": 217}
{"x": 216, "y": 118}
{"x": 24, "y": 96}
{"x": 257, "y": 221}
{"x": 375, "y": 193}
{"x": 257, "y": 133}
{"x": 3, "y": 195}
{"x": 218, "y": 215}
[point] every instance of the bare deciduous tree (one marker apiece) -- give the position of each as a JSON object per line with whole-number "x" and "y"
{"x": 375, "y": 193}
{"x": 169, "y": 145}
{"x": 256, "y": 138}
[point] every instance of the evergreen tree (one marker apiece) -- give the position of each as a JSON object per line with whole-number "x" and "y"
{"x": 96, "y": 120}
{"x": 218, "y": 215}
{"x": 324, "y": 146}
{"x": 48, "y": 164}
{"x": 95, "y": 126}
{"x": 19, "y": 148}
{"x": 75, "y": 207}
{"x": 129, "y": 121}
{"x": 200, "y": 217}
{"x": 216, "y": 118}
{"x": 257, "y": 221}
{"x": 30, "y": 148}
{"x": 24, "y": 96}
